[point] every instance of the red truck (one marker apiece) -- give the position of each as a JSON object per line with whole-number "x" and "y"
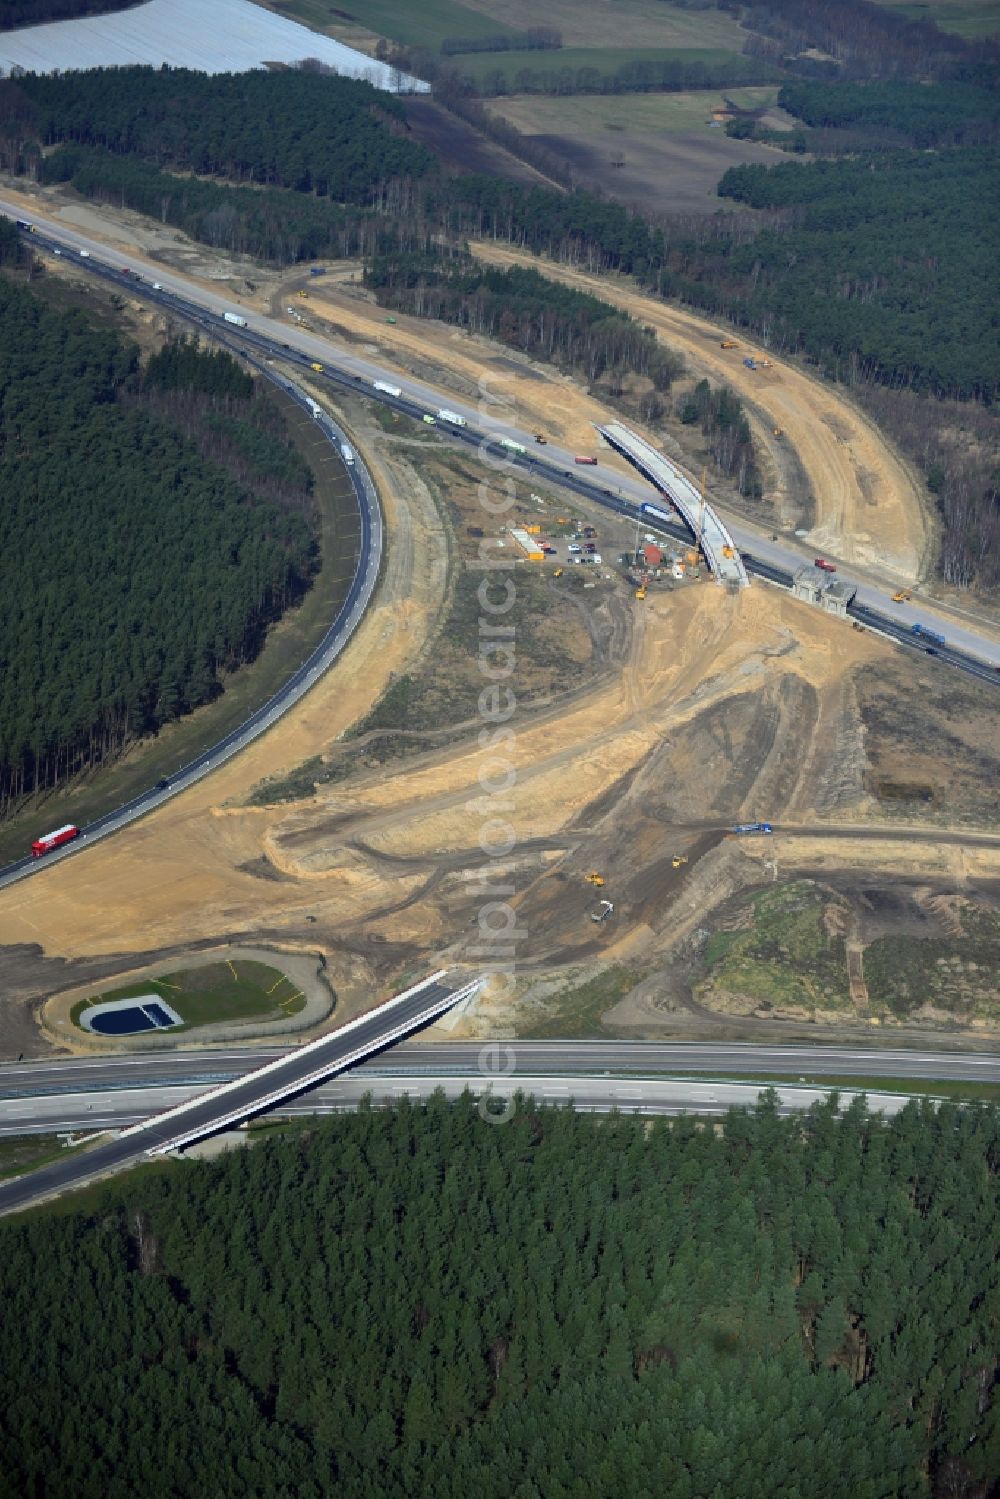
{"x": 825, "y": 566}
{"x": 591, "y": 461}
{"x": 49, "y": 841}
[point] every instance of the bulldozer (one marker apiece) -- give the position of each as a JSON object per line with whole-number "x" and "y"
{"x": 595, "y": 879}
{"x": 678, "y": 860}
{"x": 640, "y": 593}
{"x": 302, "y": 293}
{"x": 728, "y": 552}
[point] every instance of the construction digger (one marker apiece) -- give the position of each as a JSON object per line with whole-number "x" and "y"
{"x": 595, "y": 879}
{"x": 679, "y": 860}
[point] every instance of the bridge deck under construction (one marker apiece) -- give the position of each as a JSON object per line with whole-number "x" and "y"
{"x": 709, "y": 530}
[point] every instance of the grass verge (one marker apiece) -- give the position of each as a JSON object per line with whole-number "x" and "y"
{"x": 216, "y": 994}
{"x": 577, "y": 1012}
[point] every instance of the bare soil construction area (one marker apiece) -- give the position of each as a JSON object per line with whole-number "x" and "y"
{"x": 726, "y": 707}
{"x": 868, "y": 507}
{"x": 637, "y": 734}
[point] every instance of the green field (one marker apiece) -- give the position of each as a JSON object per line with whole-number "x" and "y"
{"x": 27, "y": 1152}
{"x": 611, "y": 118}
{"x": 423, "y": 25}
{"x": 970, "y": 18}
{"x": 647, "y": 23}
{"x": 577, "y": 1012}
{"x": 216, "y": 994}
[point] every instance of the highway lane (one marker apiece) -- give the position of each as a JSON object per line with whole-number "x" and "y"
{"x": 71, "y": 1113}
{"x": 258, "y": 344}
{"x": 523, "y": 1059}
{"x": 324, "y": 655}
{"x": 964, "y": 631}
{"x": 204, "y": 1110}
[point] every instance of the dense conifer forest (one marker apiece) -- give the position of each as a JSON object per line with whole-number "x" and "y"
{"x": 417, "y": 1302}
{"x": 153, "y": 525}
{"x": 335, "y": 137}
{"x": 14, "y": 13}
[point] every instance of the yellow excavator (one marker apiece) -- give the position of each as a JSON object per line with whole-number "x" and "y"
{"x": 595, "y": 879}
{"x": 640, "y": 593}
{"x": 678, "y": 860}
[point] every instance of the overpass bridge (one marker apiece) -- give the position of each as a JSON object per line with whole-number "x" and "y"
{"x": 254, "y": 1093}
{"x": 711, "y": 533}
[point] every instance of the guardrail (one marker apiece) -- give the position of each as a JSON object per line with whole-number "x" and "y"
{"x": 292, "y": 1062}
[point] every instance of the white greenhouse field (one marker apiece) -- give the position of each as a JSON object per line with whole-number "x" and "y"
{"x": 211, "y": 36}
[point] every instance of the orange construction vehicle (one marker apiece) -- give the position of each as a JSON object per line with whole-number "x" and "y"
{"x": 729, "y": 343}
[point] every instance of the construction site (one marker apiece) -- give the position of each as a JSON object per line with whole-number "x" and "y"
{"x": 677, "y": 750}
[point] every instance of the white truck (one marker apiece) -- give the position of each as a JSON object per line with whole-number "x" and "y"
{"x": 232, "y": 317}
{"x": 314, "y": 407}
{"x": 387, "y": 390}
{"x": 347, "y": 452}
{"x": 444, "y": 415}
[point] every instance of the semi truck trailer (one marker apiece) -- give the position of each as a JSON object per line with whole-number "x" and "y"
{"x": 235, "y": 319}
{"x": 48, "y": 841}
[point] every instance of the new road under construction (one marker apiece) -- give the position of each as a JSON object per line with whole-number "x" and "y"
{"x": 645, "y": 736}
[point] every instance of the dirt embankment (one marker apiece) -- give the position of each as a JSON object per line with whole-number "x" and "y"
{"x": 868, "y": 507}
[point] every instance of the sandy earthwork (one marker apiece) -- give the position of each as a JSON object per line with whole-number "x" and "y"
{"x": 868, "y": 506}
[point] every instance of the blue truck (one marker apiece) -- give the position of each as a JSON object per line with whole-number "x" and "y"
{"x": 752, "y": 827}
{"x": 931, "y": 636}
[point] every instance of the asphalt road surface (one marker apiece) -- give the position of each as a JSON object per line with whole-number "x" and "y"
{"x": 93, "y": 1112}
{"x": 523, "y": 1059}
{"x": 348, "y": 617}
{"x": 779, "y": 558}
{"x": 300, "y": 1066}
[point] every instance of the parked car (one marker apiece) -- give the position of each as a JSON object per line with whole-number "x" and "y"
{"x": 574, "y": 548}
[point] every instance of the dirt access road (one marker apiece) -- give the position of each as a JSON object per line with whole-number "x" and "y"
{"x": 869, "y": 509}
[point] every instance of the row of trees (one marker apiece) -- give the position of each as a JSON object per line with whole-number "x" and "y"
{"x": 414, "y": 1303}
{"x": 877, "y": 267}
{"x": 525, "y": 310}
{"x": 534, "y": 39}
{"x": 152, "y": 528}
{"x": 643, "y": 76}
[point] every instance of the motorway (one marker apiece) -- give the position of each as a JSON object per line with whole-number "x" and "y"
{"x": 20, "y": 1081}
{"x": 69, "y": 1113}
{"x": 969, "y": 649}
{"x": 202, "y": 1111}
{"x": 774, "y": 559}
{"x": 343, "y": 626}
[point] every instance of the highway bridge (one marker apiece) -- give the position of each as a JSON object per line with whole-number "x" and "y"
{"x": 970, "y": 647}
{"x": 206, "y": 1092}
{"x": 707, "y": 528}
{"x": 268, "y": 1085}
